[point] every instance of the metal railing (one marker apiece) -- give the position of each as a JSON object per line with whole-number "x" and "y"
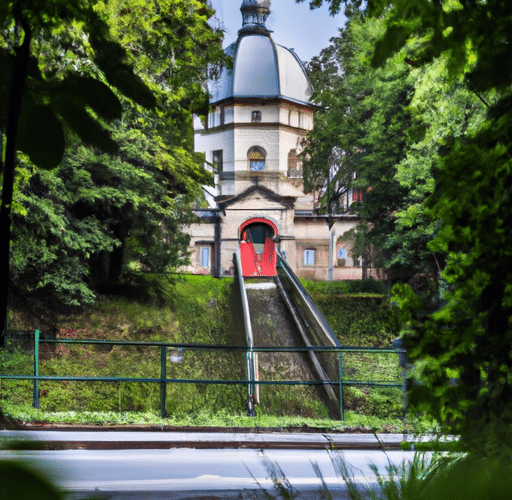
{"x": 251, "y": 359}
{"x": 163, "y": 380}
{"x": 314, "y": 328}
{"x": 312, "y": 315}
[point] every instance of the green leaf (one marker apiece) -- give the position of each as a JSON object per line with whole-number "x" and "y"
{"x": 109, "y": 57}
{"x": 6, "y": 64}
{"x": 86, "y": 127}
{"x": 21, "y": 483}
{"x": 40, "y": 135}
{"x": 93, "y": 94}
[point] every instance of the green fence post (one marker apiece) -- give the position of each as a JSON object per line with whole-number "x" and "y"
{"x": 35, "y": 400}
{"x": 404, "y": 394}
{"x": 340, "y": 366}
{"x": 163, "y": 376}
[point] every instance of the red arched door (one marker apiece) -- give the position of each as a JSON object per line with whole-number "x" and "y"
{"x": 258, "y": 248}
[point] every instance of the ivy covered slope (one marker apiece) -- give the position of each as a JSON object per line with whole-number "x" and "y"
{"x": 457, "y": 172}
{"x": 105, "y": 170}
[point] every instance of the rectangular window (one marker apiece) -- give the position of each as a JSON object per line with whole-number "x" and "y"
{"x": 217, "y": 160}
{"x": 257, "y": 165}
{"x": 256, "y": 116}
{"x": 205, "y": 257}
{"x": 309, "y": 257}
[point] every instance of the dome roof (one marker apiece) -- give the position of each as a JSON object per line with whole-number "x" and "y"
{"x": 262, "y": 69}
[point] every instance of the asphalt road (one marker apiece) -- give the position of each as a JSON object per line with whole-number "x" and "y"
{"x": 189, "y": 473}
{"x": 201, "y": 465}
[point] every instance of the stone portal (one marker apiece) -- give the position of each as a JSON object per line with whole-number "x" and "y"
{"x": 258, "y": 248}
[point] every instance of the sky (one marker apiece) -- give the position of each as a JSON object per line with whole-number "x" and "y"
{"x": 293, "y": 24}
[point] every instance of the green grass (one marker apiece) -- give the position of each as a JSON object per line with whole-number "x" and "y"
{"x": 202, "y": 310}
{"x": 207, "y": 418}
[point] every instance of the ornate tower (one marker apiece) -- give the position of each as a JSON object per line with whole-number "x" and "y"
{"x": 260, "y": 113}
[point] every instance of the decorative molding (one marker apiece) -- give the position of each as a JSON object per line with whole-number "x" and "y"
{"x": 254, "y": 126}
{"x": 287, "y": 201}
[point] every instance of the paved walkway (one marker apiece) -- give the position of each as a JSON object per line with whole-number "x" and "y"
{"x": 95, "y": 439}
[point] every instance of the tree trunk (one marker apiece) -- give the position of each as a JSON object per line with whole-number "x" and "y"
{"x": 13, "y": 115}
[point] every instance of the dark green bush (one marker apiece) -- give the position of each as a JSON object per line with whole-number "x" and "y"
{"x": 368, "y": 285}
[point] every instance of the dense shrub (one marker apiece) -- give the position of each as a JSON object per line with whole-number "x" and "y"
{"x": 369, "y": 285}
{"x": 357, "y": 320}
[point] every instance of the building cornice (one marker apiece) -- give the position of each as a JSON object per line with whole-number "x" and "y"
{"x": 254, "y": 126}
{"x": 321, "y": 217}
{"x": 262, "y": 101}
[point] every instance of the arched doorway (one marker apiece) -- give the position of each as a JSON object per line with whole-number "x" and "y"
{"x": 258, "y": 247}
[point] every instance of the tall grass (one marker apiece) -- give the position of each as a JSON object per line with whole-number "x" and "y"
{"x": 411, "y": 480}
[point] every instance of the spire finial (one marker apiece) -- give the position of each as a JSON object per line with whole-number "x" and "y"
{"x": 254, "y": 14}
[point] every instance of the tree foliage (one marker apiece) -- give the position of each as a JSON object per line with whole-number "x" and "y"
{"x": 116, "y": 201}
{"x": 361, "y": 135}
{"x": 38, "y": 104}
{"x": 462, "y": 349}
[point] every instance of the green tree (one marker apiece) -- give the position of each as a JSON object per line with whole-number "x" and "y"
{"x": 360, "y": 132}
{"x": 443, "y": 109}
{"x": 174, "y": 50}
{"x": 468, "y": 339}
{"x": 97, "y": 217}
{"x": 37, "y": 107}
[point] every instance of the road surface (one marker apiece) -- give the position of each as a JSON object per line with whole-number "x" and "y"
{"x": 205, "y": 473}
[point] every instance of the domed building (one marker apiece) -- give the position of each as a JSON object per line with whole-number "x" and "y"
{"x": 260, "y": 114}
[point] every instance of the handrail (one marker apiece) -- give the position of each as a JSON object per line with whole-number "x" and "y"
{"x": 224, "y": 347}
{"x": 251, "y": 369}
{"x": 314, "y": 329}
{"x": 315, "y": 314}
{"x": 301, "y": 327}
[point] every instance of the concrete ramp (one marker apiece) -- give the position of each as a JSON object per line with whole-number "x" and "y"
{"x": 274, "y": 326}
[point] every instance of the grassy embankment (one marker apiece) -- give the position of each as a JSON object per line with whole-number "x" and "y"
{"x": 359, "y": 314}
{"x": 201, "y": 311}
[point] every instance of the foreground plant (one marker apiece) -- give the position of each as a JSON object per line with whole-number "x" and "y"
{"x": 426, "y": 477}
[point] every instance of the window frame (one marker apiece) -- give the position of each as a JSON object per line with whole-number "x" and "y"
{"x": 255, "y": 156}
{"x": 218, "y": 164}
{"x": 307, "y": 259}
{"x": 202, "y": 249}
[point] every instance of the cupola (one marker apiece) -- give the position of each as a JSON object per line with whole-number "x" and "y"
{"x": 261, "y": 69}
{"x": 254, "y": 14}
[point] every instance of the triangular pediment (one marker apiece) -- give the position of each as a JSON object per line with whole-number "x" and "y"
{"x": 259, "y": 197}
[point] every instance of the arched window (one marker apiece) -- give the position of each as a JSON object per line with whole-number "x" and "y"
{"x": 256, "y": 157}
{"x": 293, "y": 164}
{"x": 292, "y": 159}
